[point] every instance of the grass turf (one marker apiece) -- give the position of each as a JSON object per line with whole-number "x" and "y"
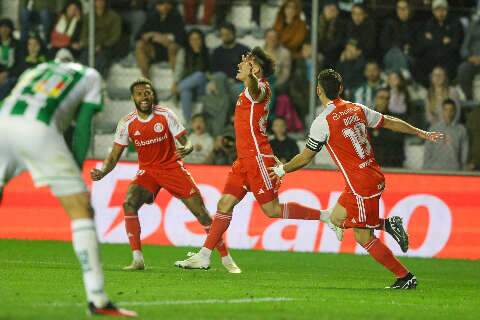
{"x": 41, "y": 280}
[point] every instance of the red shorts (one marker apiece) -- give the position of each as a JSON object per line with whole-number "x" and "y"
{"x": 251, "y": 174}
{"x": 361, "y": 213}
{"x": 177, "y": 180}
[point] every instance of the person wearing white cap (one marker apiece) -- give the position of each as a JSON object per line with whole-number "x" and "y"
{"x": 439, "y": 44}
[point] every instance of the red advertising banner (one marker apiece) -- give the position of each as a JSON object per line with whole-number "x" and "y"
{"x": 442, "y": 213}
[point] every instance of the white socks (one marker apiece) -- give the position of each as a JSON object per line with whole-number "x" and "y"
{"x": 205, "y": 252}
{"x": 325, "y": 215}
{"x": 85, "y": 244}
{"x": 137, "y": 255}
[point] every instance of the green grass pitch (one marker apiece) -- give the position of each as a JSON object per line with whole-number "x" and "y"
{"x": 41, "y": 280}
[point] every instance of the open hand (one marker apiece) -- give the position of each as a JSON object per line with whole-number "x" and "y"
{"x": 96, "y": 174}
{"x": 183, "y": 151}
{"x": 433, "y": 136}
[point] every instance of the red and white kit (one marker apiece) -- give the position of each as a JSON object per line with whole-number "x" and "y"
{"x": 154, "y": 140}
{"x": 342, "y": 127}
{"x": 254, "y": 154}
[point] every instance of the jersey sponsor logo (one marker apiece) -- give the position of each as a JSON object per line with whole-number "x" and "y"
{"x": 143, "y": 143}
{"x": 137, "y": 133}
{"x": 158, "y": 127}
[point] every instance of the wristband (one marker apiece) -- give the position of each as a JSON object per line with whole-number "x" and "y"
{"x": 279, "y": 171}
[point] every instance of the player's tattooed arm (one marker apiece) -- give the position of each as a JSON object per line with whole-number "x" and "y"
{"x": 398, "y": 125}
{"x": 109, "y": 163}
{"x": 185, "y": 148}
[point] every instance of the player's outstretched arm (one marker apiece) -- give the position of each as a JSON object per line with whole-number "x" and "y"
{"x": 399, "y": 125}
{"x": 185, "y": 148}
{"x": 109, "y": 163}
{"x": 299, "y": 161}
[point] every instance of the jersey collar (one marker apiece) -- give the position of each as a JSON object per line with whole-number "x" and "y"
{"x": 150, "y": 117}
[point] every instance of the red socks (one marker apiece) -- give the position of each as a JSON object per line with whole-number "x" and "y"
{"x": 385, "y": 257}
{"x": 293, "y": 210}
{"x": 221, "y": 247}
{"x": 132, "y": 225}
{"x": 220, "y": 224}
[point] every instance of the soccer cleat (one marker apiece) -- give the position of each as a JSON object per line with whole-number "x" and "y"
{"x": 407, "y": 282}
{"x": 338, "y": 231}
{"x": 394, "y": 227}
{"x": 195, "y": 261}
{"x": 110, "y": 310}
{"x": 135, "y": 265}
{"x": 230, "y": 265}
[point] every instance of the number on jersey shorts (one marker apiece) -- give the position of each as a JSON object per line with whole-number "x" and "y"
{"x": 251, "y": 174}
{"x": 30, "y": 145}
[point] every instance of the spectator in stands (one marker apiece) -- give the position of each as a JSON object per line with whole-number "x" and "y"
{"x": 68, "y": 28}
{"x": 223, "y": 88}
{"x": 282, "y": 58}
{"x": 108, "y": 29}
{"x": 33, "y": 54}
{"x": 284, "y": 147}
{"x": 290, "y": 27}
{"x": 439, "y": 91}
{"x": 190, "y": 74}
{"x": 397, "y": 39}
{"x": 351, "y": 66}
{"x": 388, "y": 146}
{"x": 331, "y": 33}
{"x": 471, "y": 54}
{"x": 133, "y": 13}
{"x": 439, "y": 43}
{"x": 224, "y": 151}
{"x": 399, "y": 104}
{"x": 162, "y": 34}
{"x": 201, "y": 140}
{"x": 43, "y": 11}
{"x": 299, "y": 82}
{"x": 362, "y": 29}
{"x": 365, "y": 94}
{"x": 473, "y": 129}
{"x": 9, "y": 52}
{"x": 453, "y": 152}
{"x": 190, "y": 8}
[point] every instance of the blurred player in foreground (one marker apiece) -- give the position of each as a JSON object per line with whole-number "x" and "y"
{"x": 255, "y": 155}
{"x": 342, "y": 127}
{"x": 33, "y": 118}
{"x": 154, "y": 130}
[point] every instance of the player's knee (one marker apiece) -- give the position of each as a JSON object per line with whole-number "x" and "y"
{"x": 362, "y": 236}
{"x": 129, "y": 206}
{"x": 336, "y": 221}
{"x": 225, "y": 205}
{"x": 273, "y": 212}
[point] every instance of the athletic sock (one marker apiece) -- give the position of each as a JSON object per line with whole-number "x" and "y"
{"x": 382, "y": 225}
{"x": 132, "y": 225}
{"x": 292, "y": 210}
{"x": 85, "y": 244}
{"x": 221, "y": 246}
{"x": 220, "y": 224}
{"x": 385, "y": 257}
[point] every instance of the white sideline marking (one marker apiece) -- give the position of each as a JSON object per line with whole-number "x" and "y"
{"x": 181, "y": 302}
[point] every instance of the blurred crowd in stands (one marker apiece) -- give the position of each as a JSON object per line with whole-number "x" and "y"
{"x": 417, "y": 60}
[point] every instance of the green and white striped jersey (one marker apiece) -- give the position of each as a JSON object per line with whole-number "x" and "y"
{"x": 52, "y": 92}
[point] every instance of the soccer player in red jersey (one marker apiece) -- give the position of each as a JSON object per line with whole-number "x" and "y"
{"x": 342, "y": 128}
{"x": 154, "y": 130}
{"x": 249, "y": 171}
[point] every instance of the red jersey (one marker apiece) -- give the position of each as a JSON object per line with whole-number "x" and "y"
{"x": 342, "y": 127}
{"x": 251, "y": 123}
{"x": 154, "y": 137}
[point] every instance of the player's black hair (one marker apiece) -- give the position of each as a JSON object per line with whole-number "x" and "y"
{"x": 228, "y": 26}
{"x": 145, "y": 81}
{"x": 264, "y": 60}
{"x": 449, "y": 101}
{"x": 331, "y": 83}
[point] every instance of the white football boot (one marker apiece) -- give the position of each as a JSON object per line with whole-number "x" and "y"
{"x": 230, "y": 265}
{"x": 338, "y": 231}
{"x": 135, "y": 265}
{"x": 195, "y": 261}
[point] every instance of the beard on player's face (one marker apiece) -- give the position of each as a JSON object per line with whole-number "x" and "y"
{"x": 144, "y": 104}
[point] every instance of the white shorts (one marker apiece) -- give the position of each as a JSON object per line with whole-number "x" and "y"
{"x": 33, "y": 146}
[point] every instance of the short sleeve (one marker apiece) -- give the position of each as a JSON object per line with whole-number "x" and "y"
{"x": 374, "y": 118}
{"x": 175, "y": 127}
{"x": 121, "y": 134}
{"x": 318, "y": 135}
{"x": 93, "y": 96}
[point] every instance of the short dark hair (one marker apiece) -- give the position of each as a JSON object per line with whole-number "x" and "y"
{"x": 228, "y": 26}
{"x": 264, "y": 60}
{"x": 144, "y": 81}
{"x": 449, "y": 101}
{"x": 331, "y": 82}
{"x": 198, "y": 116}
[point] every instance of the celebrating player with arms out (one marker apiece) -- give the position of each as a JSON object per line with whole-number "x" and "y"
{"x": 249, "y": 171}
{"x": 40, "y": 108}
{"x": 154, "y": 129}
{"x": 342, "y": 127}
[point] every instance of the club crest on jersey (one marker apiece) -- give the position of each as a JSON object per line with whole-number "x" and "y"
{"x": 158, "y": 127}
